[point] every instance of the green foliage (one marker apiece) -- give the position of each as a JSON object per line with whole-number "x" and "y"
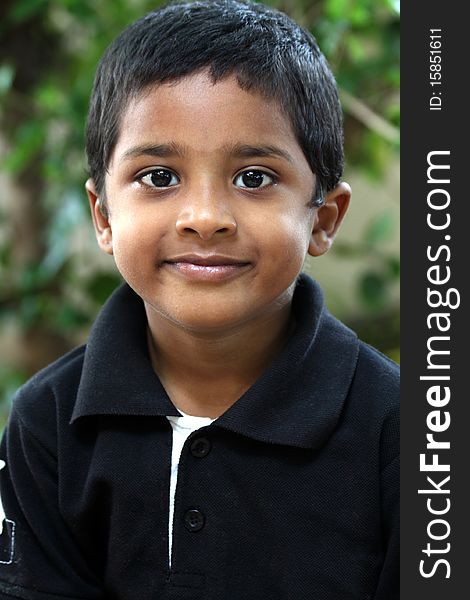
{"x": 29, "y": 140}
{"x": 43, "y": 110}
{"x": 25, "y": 9}
{"x": 381, "y": 269}
{"x": 7, "y": 74}
{"x": 379, "y": 229}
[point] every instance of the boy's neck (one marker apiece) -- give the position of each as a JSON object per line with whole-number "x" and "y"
{"x": 205, "y": 374}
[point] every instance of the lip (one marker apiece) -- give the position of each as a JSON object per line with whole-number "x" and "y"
{"x": 209, "y": 267}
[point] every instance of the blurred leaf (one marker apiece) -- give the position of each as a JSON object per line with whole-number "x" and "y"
{"x": 356, "y": 48}
{"x": 30, "y": 278}
{"x": 50, "y": 97}
{"x": 348, "y": 250}
{"x": 336, "y": 9}
{"x": 379, "y": 229}
{"x": 7, "y": 73}
{"x": 372, "y": 289}
{"x": 394, "y": 267}
{"x": 28, "y": 141}
{"x": 100, "y": 287}
{"x": 23, "y": 10}
{"x": 69, "y": 316}
{"x": 395, "y": 5}
{"x": 70, "y": 214}
{"x": 5, "y": 255}
{"x": 31, "y": 310}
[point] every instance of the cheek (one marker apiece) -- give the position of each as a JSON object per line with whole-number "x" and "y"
{"x": 289, "y": 239}
{"x": 134, "y": 246}
{"x": 293, "y": 236}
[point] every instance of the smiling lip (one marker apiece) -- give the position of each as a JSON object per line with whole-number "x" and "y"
{"x": 207, "y": 268}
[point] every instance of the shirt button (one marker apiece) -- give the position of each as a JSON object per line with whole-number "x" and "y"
{"x": 194, "y": 520}
{"x": 200, "y": 447}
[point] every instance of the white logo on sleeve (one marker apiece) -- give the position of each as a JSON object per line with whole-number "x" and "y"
{"x": 7, "y": 546}
{"x": 2, "y": 512}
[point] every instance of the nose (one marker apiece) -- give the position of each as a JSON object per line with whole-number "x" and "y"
{"x": 205, "y": 215}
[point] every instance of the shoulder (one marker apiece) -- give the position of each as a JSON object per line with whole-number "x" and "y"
{"x": 377, "y": 371}
{"x": 376, "y": 390}
{"x": 372, "y": 374}
{"x": 60, "y": 376}
{"x": 371, "y": 412}
{"x": 49, "y": 396}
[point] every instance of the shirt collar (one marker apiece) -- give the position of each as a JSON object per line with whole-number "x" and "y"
{"x": 297, "y": 401}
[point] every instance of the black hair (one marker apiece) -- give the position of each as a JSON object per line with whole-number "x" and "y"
{"x": 263, "y": 48}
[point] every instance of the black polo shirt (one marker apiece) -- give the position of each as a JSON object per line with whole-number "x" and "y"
{"x": 290, "y": 494}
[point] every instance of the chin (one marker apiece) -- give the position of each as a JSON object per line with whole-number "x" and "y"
{"x": 208, "y": 323}
{"x": 205, "y": 319}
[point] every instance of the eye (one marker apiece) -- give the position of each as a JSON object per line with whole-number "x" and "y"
{"x": 160, "y": 178}
{"x": 253, "y": 178}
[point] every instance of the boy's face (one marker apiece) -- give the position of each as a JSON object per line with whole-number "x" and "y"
{"x": 208, "y": 196}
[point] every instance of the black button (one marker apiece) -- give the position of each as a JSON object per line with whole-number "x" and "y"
{"x": 194, "y": 520}
{"x": 200, "y": 447}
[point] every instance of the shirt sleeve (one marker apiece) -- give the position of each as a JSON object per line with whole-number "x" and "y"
{"x": 389, "y": 581}
{"x": 39, "y": 558}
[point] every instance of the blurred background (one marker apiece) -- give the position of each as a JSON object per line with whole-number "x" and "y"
{"x": 53, "y": 278}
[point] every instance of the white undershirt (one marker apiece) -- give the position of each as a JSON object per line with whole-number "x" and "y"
{"x": 182, "y": 427}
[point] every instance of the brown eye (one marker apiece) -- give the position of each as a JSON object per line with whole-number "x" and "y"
{"x": 160, "y": 178}
{"x": 252, "y": 179}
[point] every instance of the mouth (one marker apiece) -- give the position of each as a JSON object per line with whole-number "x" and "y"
{"x": 212, "y": 267}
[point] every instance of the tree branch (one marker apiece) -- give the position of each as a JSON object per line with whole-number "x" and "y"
{"x": 363, "y": 113}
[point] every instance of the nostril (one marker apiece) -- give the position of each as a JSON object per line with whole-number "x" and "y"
{"x": 205, "y": 228}
{"x": 189, "y": 231}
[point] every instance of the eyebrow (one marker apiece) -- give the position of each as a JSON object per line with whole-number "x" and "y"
{"x": 237, "y": 151}
{"x": 157, "y": 150}
{"x": 247, "y": 151}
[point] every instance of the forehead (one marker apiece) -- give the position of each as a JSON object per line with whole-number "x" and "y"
{"x": 204, "y": 117}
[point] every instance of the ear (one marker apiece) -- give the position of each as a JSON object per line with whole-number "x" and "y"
{"x": 103, "y": 231}
{"x": 328, "y": 218}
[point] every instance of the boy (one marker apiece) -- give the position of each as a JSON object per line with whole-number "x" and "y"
{"x": 221, "y": 435}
